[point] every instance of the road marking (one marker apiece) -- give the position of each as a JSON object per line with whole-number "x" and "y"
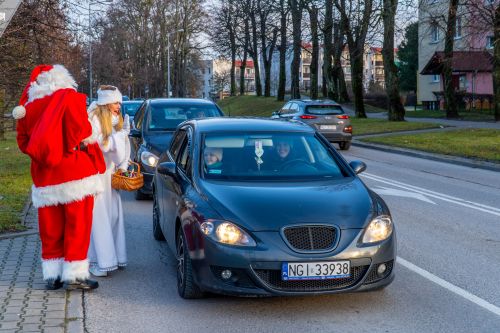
{"x": 400, "y": 193}
{"x": 450, "y": 287}
{"x": 441, "y": 196}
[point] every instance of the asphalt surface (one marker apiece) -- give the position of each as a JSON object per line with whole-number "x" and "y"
{"x": 448, "y": 226}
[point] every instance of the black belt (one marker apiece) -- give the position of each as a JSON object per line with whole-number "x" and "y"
{"x": 80, "y": 146}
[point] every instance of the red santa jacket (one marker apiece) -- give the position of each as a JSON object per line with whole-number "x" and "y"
{"x": 50, "y": 133}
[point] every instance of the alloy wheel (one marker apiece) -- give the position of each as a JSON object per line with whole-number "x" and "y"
{"x": 180, "y": 261}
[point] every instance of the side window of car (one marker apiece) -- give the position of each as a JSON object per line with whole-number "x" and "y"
{"x": 139, "y": 117}
{"x": 285, "y": 108}
{"x": 184, "y": 159}
{"x": 294, "y": 108}
{"x": 177, "y": 143}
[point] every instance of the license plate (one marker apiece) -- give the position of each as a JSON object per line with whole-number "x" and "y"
{"x": 315, "y": 270}
{"x": 328, "y": 127}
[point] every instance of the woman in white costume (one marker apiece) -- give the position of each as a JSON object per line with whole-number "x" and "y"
{"x": 107, "y": 249}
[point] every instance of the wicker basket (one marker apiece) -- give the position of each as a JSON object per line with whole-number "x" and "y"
{"x": 120, "y": 182}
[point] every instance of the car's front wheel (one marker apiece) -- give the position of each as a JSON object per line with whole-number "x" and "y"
{"x": 186, "y": 286}
{"x": 344, "y": 145}
{"x": 157, "y": 233}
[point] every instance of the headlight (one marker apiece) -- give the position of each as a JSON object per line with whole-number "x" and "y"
{"x": 380, "y": 228}
{"x": 149, "y": 159}
{"x": 227, "y": 233}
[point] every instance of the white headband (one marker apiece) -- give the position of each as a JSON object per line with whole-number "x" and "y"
{"x": 105, "y": 97}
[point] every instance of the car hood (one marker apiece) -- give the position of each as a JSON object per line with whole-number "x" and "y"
{"x": 346, "y": 203}
{"x": 158, "y": 142}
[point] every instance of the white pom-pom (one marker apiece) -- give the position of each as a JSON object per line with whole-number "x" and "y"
{"x": 19, "y": 112}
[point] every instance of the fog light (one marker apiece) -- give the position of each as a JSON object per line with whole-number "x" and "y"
{"x": 226, "y": 274}
{"x": 381, "y": 269}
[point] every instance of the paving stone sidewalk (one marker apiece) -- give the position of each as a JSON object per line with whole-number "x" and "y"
{"x": 25, "y": 305}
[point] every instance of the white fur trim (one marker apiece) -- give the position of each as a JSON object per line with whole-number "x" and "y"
{"x": 52, "y": 268}
{"x": 105, "y": 97}
{"x": 75, "y": 270}
{"x": 64, "y": 193}
{"x": 18, "y": 112}
{"x": 49, "y": 82}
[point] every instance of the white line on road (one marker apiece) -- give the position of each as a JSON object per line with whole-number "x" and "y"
{"x": 458, "y": 201}
{"x": 451, "y": 287}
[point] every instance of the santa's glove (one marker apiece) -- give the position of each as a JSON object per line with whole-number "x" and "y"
{"x": 126, "y": 124}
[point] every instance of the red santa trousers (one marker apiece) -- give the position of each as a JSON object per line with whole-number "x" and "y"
{"x": 65, "y": 235}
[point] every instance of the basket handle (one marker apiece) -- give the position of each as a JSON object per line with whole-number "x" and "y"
{"x": 137, "y": 164}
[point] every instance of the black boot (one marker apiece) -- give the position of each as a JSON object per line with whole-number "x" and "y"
{"x": 82, "y": 284}
{"x": 53, "y": 284}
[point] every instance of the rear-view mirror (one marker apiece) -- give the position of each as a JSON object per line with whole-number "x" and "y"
{"x": 358, "y": 166}
{"x": 166, "y": 168}
{"x": 135, "y": 133}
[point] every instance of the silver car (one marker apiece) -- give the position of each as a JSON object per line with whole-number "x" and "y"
{"x": 326, "y": 116}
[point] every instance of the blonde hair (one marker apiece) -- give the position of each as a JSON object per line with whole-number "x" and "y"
{"x": 104, "y": 115}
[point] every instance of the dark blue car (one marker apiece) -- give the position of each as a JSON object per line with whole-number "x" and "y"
{"x": 263, "y": 207}
{"x": 155, "y": 122}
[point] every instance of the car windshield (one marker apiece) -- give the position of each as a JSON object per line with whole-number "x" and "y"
{"x": 131, "y": 108}
{"x": 166, "y": 117}
{"x": 268, "y": 156}
{"x": 324, "y": 109}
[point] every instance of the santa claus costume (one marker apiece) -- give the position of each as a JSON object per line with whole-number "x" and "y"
{"x": 107, "y": 250}
{"x": 52, "y": 126}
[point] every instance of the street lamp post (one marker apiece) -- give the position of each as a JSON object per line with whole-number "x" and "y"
{"x": 168, "y": 59}
{"x": 90, "y": 43}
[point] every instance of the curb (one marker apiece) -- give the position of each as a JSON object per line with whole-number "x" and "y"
{"x": 74, "y": 312}
{"x": 23, "y": 215}
{"x": 490, "y": 166}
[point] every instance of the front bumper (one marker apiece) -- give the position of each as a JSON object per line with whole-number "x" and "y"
{"x": 257, "y": 271}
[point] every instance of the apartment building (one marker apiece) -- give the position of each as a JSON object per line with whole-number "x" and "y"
{"x": 472, "y": 63}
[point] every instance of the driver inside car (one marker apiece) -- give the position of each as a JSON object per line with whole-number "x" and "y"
{"x": 213, "y": 160}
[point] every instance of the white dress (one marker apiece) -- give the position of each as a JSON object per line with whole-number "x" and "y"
{"x": 107, "y": 250}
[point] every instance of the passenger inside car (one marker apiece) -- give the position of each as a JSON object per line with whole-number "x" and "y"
{"x": 213, "y": 159}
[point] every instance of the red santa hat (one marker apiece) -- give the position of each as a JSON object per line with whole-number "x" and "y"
{"x": 44, "y": 81}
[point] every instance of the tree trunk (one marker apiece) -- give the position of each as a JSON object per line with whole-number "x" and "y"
{"x": 283, "y": 48}
{"x": 233, "y": 62}
{"x": 255, "y": 54}
{"x": 356, "y": 57}
{"x": 244, "y": 60}
{"x": 396, "y": 109}
{"x": 496, "y": 64}
{"x": 449, "y": 91}
{"x": 296, "y": 9}
{"x": 268, "y": 61}
{"x": 313, "y": 14}
{"x": 339, "y": 86}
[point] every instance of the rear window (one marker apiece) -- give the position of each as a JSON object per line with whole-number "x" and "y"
{"x": 166, "y": 117}
{"x": 324, "y": 109}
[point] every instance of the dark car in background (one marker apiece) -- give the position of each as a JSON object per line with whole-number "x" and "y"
{"x": 155, "y": 122}
{"x": 131, "y": 108}
{"x": 261, "y": 207}
{"x": 326, "y": 116}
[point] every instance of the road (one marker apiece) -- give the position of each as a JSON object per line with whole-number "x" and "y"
{"x": 448, "y": 226}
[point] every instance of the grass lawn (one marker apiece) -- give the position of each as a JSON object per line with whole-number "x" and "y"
{"x": 254, "y": 106}
{"x": 482, "y": 144}
{"x": 464, "y": 115}
{"x": 15, "y": 182}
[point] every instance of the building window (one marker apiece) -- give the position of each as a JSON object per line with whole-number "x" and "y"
{"x": 434, "y": 33}
{"x": 436, "y": 78}
{"x": 458, "y": 28}
{"x": 490, "y": 42}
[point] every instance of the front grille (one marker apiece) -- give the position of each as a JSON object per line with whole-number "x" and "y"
{"x": 239, "y": 278}
{"x": 374, "y": 277}
{"x": 272, "y": 278}
{"x": 311, "y": 238}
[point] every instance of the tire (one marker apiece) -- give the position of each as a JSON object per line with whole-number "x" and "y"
{"x": 186, "y": 287}
{"x": 157, "y": 233}
{"x": 139, "y": 195}
{"x": 345, "y": 145}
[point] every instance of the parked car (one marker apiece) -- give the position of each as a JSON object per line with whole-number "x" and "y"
{"x": 130, "y": 108}
{"x": 326, "y": 116}
{"x": 155, "y": 122}
{"x": 261, "y": 207}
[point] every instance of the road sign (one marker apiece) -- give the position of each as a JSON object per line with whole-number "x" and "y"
{"x": 7, "y": 10}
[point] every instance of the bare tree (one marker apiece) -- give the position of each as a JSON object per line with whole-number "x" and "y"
{"x": 449, "y": 90}
{"x": 283, "y": 47}
{"x": 296, "y": 8}
{"x": 313, "y": 16}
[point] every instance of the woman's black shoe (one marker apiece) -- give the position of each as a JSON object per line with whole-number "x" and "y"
{"x": 82, "y": 284}
{"x": 53, "y": 284}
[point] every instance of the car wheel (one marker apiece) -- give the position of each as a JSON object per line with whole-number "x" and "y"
{"x": 345, "y": 145}
{"x": 139, "y": 195}
{"x": 186, "y": 286}
{"x": 157, "y": 233}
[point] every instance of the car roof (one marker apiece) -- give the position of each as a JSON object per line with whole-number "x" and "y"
{"x": 315, "y": 101}
{"x": 245, "y": 124}
{"x": 178, "y": 101}
{"x": 132, "y": 102}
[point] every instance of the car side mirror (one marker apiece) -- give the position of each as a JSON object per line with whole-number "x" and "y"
{"x": 135, "y": 133}
{"x": 275, "y": 113}
{"x": 167, "y": 168}
{"x": 358, "y": 166}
